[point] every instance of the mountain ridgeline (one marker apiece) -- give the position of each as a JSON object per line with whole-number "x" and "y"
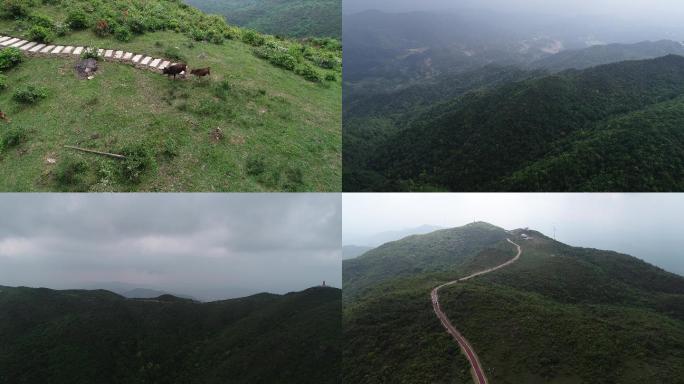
{"x": 606, "y": 128}
{"x": 79, "y": 336}
{"x": 558, "y": 314}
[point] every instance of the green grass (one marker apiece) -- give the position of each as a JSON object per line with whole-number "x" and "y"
{"x": 267, "y": 116}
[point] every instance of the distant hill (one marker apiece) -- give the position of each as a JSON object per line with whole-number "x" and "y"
{"x": 608, "y": 128}
{"x": 98, "y": 336}
{"x": 559, "y": 314}
{"x": 375, "y": 239}
{"x": 606, "y": 54}
{"x": 294, "y": 18}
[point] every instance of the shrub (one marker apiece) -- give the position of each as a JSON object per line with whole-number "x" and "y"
{"x": 71, "y": 172}
{"x": 330, "y": 77}
{"x": 198, "y": 34}
{"x": 253, "y": 38}
{"x": 29, "y": 94}
{"x": 102, "y": 28}
{"x": 90, "y": 53}
{"x": 3, "y": 82}
{"x": 16, "y": 8}
{"x": 122, "y": 33}
{"x": 13, "y": 137}
{"x": 42, "y": 21}
{"x": 327, "y": 61}
{"x": 174, "y": 53}
{"x": 41, "y": 34}
{"x": 10, "y": 57}
{"x": 215, "y": 36}
{"x": 137, "y": 25}
{"x": 77, "y": 20}
{"x": 138, "y": 161}
{"x": 255, "y": 166}
{"x": 283, "y": 60}
{"x": 309, "y": 73}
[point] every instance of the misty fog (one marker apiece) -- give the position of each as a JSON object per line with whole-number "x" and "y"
{"x": 647, "y": 226}
{"x": 205, "y": 246}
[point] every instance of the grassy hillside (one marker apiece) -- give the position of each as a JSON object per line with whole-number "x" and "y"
{"x": 268, "y": 118}
{"x": 515, "y": 137}
{"x": 295, "y": 18}
{"x": 97, "y": 336}
{"x": 559, "y": 315}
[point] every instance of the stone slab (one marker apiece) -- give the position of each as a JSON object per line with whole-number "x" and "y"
{"x": 4, "y": 38}
{"x": 127, "y": 56}
{"x": 137, "y": 58}
{"x": 37, "y": 48}
{"x": 10, "y": 41}
{"x": 108, "y": 53}
{"x": 146, "y": 60}
{"x": 68, "y": 49}
{"x": 27, "y": 46}
{"x": 78, "y": 50}
{"x": 47, "y": 49}
{"x": 58, "y": 49}
{"x": 118, "y": 54}
{"x": 164, "y": 64}
{"x": 19, "y": 43}
{"x": 155, "y": 63}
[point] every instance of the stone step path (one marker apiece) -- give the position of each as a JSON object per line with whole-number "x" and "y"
{"x": 36, "y": 49}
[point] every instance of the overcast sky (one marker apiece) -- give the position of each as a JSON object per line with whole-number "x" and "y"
{"x": 193, "y": 244}
{"x": 648, "y": 226}
{"x": 653, "y": 11}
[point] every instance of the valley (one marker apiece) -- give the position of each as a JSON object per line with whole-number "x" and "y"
{"x": 422, "y": 119}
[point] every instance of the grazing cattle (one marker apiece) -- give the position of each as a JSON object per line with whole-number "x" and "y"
{"x": 175, "y": 69}
{"x": 4, "y": 117}
{"x": 201, "y": 72}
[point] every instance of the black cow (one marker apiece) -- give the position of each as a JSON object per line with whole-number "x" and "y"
{"x": 175, "y": 69}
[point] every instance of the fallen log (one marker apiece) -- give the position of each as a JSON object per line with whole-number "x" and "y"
{"x": 114, "y": 155}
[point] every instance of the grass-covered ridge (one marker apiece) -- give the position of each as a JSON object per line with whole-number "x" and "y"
{"x": 98, "y": 336}
{"x": 560, "y": 314}
{"x": 268, "y": 119}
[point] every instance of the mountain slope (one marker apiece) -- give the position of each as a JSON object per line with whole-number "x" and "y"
{"x": 266, "y": 119}
{"x": 298, "y": 18}
{"x": 476, "y": 142}
{"x": 417, "y": 254}
{"x": 98, "y": 336}
{"x": 606, "y": 54}
{"x": 559, "y": 314}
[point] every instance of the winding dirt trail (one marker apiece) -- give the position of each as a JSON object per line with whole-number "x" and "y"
{"x": 477, "y": 371}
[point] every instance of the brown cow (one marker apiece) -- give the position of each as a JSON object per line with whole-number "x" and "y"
{"x": 175, "y": 69}
{"x": 201, "y": 72}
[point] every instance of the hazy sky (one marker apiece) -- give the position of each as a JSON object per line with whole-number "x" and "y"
{"x": 194, "y": 244}
{"x": 654, "y": 11}
{"x": 648, "y": 226}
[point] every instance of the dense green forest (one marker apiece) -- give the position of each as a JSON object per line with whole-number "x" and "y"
{"x": 606, "y": 128}
{"x": 294, "y": 18}
{"x": 560, "y": 314}
{"x": 76, "y": 336}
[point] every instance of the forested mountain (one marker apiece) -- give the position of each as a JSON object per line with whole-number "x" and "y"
{"x": 558, "y": 314}
{"x": 294, "y": 18}
{"x": 79, "y": 336}
{"x": 606, "y": 128}
{"x": 608, "y": 53}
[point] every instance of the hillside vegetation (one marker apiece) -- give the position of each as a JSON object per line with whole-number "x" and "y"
{"x": 295, "y": 18}
{"x": 607, "y": 128}
{"x": 267, "y": 119}
{"x": 97, "y": 336}
{"x": 560, "y": 314}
